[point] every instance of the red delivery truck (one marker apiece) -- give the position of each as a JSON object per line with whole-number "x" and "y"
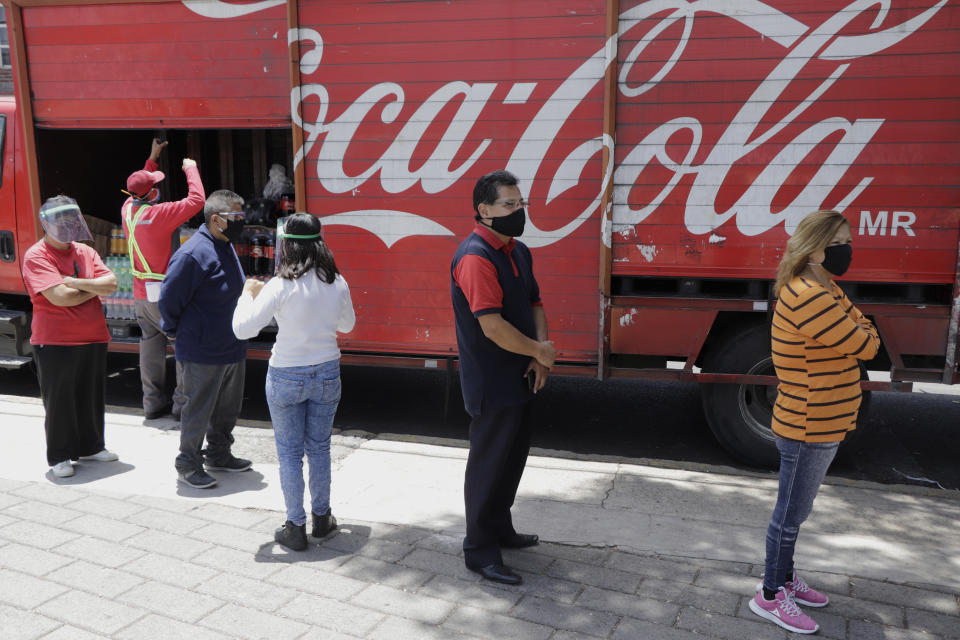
{"x": 668, "y": 148}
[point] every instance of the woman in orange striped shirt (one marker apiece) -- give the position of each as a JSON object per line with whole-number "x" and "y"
{"x": 817, "y": 338}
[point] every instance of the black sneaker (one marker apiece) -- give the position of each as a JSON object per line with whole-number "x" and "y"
{"x": 292, "y": 536}
{"x": 197, "y": 479}
{"x": 323, "y": 524}
{"x": 227, "y": 463}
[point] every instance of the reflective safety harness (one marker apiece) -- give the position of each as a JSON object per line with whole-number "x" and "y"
{"x": 132, "y": 220}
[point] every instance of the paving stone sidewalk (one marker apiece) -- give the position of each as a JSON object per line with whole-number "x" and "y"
{"x": 78, "y": 565}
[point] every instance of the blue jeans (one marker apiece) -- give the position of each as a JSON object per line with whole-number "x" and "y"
{"x": 303, "y": 402}
{"x": 803, "y": 465}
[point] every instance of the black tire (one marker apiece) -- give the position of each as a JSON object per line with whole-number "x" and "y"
{"x": 739, "y": 415}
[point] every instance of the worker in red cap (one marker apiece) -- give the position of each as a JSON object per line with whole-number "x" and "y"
{"x": 151, "y": 228}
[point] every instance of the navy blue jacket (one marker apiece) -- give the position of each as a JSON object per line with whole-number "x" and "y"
{"x": 203, "y": 283}
{"x": 493, "y": 378}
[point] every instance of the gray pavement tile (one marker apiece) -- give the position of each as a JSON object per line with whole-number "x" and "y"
{"x": 69, "y": 632}
{"x": 386, "y": 573}
{"x": 237, "y": 562}
{"x": 452, "y": 545}
{"x": 91, "y": 612}
{"x": 8, "y": 499}
{"x": 630, "y": 629}
{"x": 167, "y": 600}
{"x": 245, "y": 622}
{"x": 234, "y": 516}
{"x": 155, "y": 627}
{"x": 168, "y": 521}
{"x": 231, "y": 536}
{"x": 439, "y": 563}
{"x": 175, "y": 505}
{"x": 482, "y": 595}
{"x": 388, "y": 532}
{"x": 10, "y": 485}
{"x": 732, "y": 628}
{"x": 577, "y": 553}
{"x": 315, "y": 556}
{"x": 168, "y": 544}
{"x": 628, "y": 605}
{"x": 724, "y": 566}
{"x": 24, "y": 625}
{"x": 7, "y": 520}
{"x": 901, "y": 595}
{"x": 737, "y": 583}
{"x": 326, "y": 634}
{"x": 36, "y": 562}
{"x": 688, "y": 594}
{"x": 42, "y": 512}
{"x": 526, "y": 561}
{"x": 395, "y": 602}
{"x": 317, "y": 581}
{"x": 179, "y": 573}
{"x": 36, "y": 534}
{"x": 831, "y": 624}
{"x": 49, "y": 493}
{"x": 652, "y": 567}
{"x": 247, "y": 591}
{"x": 403, "y": 629}
{"x": 863, "y": 630}
{"x": 598, "y": 576}
{"x": 332, "y": 615}
{"x": 947, "y": 626}
{"x": 565, "y": 616}
{"x": 97, "y": 551}
{"x": 830, "y": 583}
{"x": 95, "y": 579}
{"x": 551, "y": 588}
{"x": 25, "y": 591}
{"x": 854, "y": 608}
{"x": 101, "y": 527}
{"x": 350, "y": 542}
{"x": 107, "y": 507}
{"x": 483, "y": 623}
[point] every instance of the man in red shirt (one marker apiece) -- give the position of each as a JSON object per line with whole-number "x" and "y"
{"x": 150, "y": 228}
{"x": 69, "y": 335}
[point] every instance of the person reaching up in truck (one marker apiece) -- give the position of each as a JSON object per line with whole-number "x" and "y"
{"x": 311, "y": 302}
{"x": 197, "y": 299}
{"x": 505, "y": 357}
{"x": 151, "y": 230}
{"x": 69, "y": 335}
{"x": 817, "y": 338}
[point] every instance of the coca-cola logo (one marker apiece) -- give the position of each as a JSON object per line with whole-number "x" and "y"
{"x": 327, "y": 140}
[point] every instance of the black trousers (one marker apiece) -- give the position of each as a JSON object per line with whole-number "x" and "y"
{"x": 72, "y": 388}
{"x": 499, "y": 444}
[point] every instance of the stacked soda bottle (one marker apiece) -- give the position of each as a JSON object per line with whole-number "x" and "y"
{"x": 119, "y": 305}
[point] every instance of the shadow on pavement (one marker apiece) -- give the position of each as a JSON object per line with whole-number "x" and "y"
{"x": 86, "y": 472}
{"x": 227, "y": 484}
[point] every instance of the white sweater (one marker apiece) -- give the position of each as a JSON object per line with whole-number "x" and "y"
{"x": 309, "y": 314}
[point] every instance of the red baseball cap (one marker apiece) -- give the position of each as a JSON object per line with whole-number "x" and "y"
{"x": 141, "y": 182}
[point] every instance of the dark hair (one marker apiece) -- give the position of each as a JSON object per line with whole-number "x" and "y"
{"x": 219, "y": 202}
{"x": 303, "y": 255}
{"x": 487, "y": 188}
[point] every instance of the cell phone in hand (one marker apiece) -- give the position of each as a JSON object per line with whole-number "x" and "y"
{"x": 531, "y": 379}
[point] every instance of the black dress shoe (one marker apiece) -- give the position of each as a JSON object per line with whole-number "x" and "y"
{"x": 498, "y": 573}
{"x": 520, "y": 541}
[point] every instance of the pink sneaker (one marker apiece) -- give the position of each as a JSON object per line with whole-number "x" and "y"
{"x": 783, "y": 611}
{"x": 804, "y": 595}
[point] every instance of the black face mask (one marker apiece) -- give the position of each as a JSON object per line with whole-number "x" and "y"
{"x": 511, "y": 225}
{"x": 836, "y": 258}
{"x": 234, "y": 229}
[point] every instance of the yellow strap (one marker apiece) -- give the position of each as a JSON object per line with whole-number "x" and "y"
{"x": 132, "y": 246}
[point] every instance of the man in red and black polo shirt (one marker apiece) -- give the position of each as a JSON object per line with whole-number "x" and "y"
{"x": 504, "y": 359}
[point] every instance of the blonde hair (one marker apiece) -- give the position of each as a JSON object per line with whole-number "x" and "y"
{"x": 813, "y": 234}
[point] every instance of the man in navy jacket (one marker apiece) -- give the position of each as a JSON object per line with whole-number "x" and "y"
{"x": 203, "y": 282}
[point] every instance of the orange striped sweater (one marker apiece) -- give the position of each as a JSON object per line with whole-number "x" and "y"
{"x": 817, "y": 338}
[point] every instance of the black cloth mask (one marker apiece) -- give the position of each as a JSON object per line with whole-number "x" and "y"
{"x": 511, "y": 225}
{"x": 233, "y": 229}
{"x": 836, "y": 258}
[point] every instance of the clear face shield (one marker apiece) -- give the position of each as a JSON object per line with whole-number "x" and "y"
{"x": 63, "y": 222}
{"x": 282, "y": 238}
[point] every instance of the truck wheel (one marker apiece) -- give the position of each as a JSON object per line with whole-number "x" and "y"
{"x": 740, "y": 415}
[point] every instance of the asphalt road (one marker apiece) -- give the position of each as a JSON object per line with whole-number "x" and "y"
{"x": 911, "y": 438}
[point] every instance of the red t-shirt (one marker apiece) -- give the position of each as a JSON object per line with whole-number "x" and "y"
{"x": 44, "y": 267}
